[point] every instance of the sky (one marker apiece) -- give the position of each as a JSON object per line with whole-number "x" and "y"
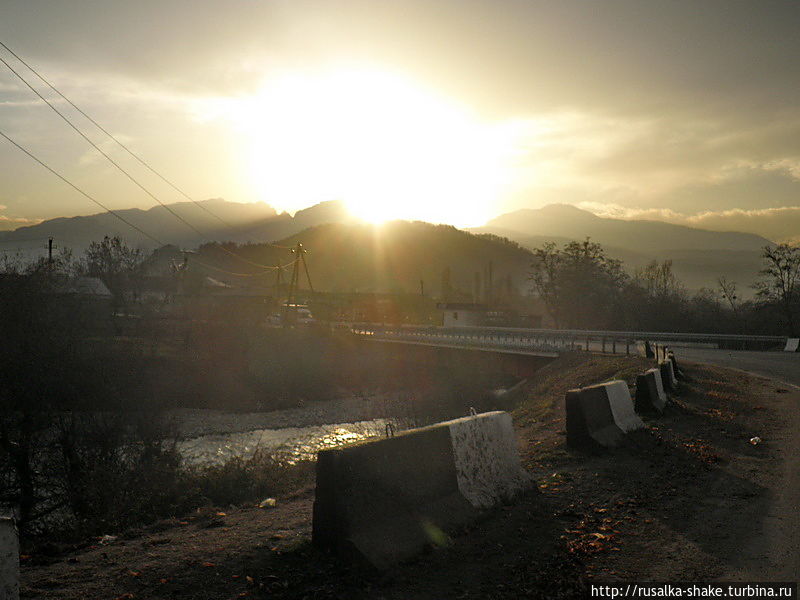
{"x": 448, "y": 111}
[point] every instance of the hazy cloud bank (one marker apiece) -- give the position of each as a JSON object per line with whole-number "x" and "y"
{"x": 780, "y": 224}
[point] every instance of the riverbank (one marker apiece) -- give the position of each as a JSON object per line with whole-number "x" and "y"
{"x": 196, "y": 422}
{"x": 690, "y": 498}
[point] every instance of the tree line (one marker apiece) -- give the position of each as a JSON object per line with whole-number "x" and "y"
{"x": 582, "y": 288}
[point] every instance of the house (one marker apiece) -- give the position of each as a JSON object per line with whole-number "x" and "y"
{"x": 463, "y": 314}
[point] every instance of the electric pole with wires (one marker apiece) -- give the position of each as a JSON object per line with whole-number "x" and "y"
{"x": 290, "y": 308}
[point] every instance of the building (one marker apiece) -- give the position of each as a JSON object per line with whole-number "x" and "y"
{"x": 463, "y": 314}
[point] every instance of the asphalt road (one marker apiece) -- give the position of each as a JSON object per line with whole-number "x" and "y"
{"x": 782, "y": 366}
{"x": 774, "y": 555}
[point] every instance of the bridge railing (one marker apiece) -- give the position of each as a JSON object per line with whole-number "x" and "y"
{"x": 554, "y": 340}
{"x": 501, "y": 338}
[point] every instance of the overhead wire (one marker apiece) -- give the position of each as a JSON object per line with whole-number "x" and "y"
{"x": 80, "y": 191}
{"x": 115, "y": 214}
{"x": 122, "y": 145}
{"x": 206, "y": 265}
{"x": 111, "y": 160}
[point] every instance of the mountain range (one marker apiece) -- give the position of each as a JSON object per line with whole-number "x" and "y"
{"x": 209, "y": 220}
{"x": 699, "y": 256}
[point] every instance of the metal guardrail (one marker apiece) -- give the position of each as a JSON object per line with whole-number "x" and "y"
{"x": 554, "y": 340}
{"x": 520, "y": 340}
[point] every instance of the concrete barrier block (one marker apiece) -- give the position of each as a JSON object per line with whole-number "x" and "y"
{"x": 9, "y": 559}
{"x": 385, "y": 500}
{"x": 488, "y": 470}
{"x": 668, "y": 375}
{"x": 792, "y": 345}
{"x": 650, "y": 394}
{"x": 645, "y": 349}
{"x": 619, "y": 398}
{"x": 600, "y": 415}
{"x": 676, "y": 371}
{"x": 578, "y": 423}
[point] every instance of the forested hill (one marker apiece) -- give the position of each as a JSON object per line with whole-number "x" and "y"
{"x": 393, "y": 257}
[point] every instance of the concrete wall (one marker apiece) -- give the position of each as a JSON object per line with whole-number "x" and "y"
{"x": 9, "y": 559}
{"x": 385, "y": 500}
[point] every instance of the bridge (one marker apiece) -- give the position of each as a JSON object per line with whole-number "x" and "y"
{"x": 759, "y": 354}
{"x": 550, "y": 342}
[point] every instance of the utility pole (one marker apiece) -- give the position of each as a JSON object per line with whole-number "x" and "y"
{"x": 50, "y": 247}
{"x": 294, "y": 283}
{"x": 278, "y": 279}
{"x": 489, "y": 284}
{"x": 421, "y": 287}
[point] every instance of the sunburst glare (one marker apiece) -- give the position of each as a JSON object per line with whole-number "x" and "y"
{"x": 387, "y": 147}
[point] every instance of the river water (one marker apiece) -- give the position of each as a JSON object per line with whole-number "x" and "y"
{"x": 291, "y": 444}
{"x": 212, "y": 437}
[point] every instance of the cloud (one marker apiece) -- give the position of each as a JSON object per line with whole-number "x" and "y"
{"x": 8, "y": 223}
{"x": 779, "y": 224}
{"x": 637, "y": 104}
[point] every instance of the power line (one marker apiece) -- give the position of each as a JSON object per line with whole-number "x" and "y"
{"x": 96, "y": 147}
{"x": 120, "y": 217}
{"x": 123, "y": 146}
{"x": 118, "y": 166}
{"x": 274, "y": 268}
{"x": 80, "y": 191}
{"x": 110, "y": 135}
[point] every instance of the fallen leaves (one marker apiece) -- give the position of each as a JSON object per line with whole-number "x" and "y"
{"x": 703, "y": 451}
{"x": 594, "y": 533}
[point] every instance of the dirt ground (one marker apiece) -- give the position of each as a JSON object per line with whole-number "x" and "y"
{"x": 689, "y": 498}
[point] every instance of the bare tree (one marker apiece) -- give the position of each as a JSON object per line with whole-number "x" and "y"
{"x": 115, "y": 263}
{"x": 579, "y": 285}
{"x": 780, "y": 281}
{"x": 728, "y": 290}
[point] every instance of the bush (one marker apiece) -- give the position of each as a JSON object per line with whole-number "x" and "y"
{"x": 241, "y": 480}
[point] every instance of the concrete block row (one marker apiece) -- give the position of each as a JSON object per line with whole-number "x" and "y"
{"x": 385, "y": 500}
{"x": 601, "y": 415}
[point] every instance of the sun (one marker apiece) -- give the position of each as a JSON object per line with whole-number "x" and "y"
{"x": 387, "y": 147}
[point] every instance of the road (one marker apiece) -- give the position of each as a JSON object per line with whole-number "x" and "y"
{"x": 775, "y": 555}
{"x": 782, "y": 366}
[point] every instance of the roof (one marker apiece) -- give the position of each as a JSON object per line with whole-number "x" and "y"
{"x": 86, "y": 286}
